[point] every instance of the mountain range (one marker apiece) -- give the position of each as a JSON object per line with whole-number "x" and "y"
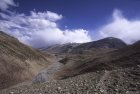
{"x": 109, "y": 42}
{"x": 106, "y": 66}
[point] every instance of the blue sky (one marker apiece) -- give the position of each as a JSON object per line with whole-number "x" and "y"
{"x": 77, "y": 13}
{"x": 86, "y": 14}
{"x": 47, "y": 22}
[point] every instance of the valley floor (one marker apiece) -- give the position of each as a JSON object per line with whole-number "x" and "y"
{"x": 120, "y": 81}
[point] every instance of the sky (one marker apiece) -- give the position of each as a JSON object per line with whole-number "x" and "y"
{"x": 41, "y": 23}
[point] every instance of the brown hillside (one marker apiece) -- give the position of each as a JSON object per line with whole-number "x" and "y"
{"x": 18, "y": 62}
{"x": 100, "y": 59}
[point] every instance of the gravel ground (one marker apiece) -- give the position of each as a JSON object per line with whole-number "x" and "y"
{"x": 48, "y": 73}
{"x": 82, "y": 84}
{"x": 121, "y": 81}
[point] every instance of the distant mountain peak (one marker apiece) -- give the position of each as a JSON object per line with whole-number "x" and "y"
{"x": 111, "y": 38}
{"x": 107, "y": 43}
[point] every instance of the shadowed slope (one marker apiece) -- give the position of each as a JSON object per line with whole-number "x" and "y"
{"x": 82, "y": 63}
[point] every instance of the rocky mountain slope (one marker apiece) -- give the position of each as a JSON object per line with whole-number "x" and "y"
{"x": 60, "y": 48}
{"x": 106, "y": 43}
{"x": 110, "y": 43}
{"x": 109, "y": 60}
{"x": 18, "y": 62}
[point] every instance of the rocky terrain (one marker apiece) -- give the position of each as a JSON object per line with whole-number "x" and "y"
{"x": 106, "y": 66}
{"x": 101, "y": 60}
{"x": 60, "y": 48}
{"x": 48, "y": 73}
{"x": 121, "y": 81}
{"x": 75, "y": 48}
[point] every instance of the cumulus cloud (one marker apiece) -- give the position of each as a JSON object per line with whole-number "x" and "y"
{"x": 41, "y": 29}
{"x": 53, "y": 16}
{"x": 121, "y": 27}
{"x": 4, "y": 4}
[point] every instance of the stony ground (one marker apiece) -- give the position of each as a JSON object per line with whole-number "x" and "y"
{"x": 121, "y": 81}
{"x": 83, "y": 84}
{"x": 48, "y": 73}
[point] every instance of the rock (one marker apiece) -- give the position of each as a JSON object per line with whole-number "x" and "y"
{"x": 59, "y": 88}
{"x": 11, "y": 93}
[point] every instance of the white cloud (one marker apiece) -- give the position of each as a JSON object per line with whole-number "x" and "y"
{"x": 121, "y": 27}
{"x": 40, "y": 29}
{"x": 4, "y": 4}
{"x": 53, "y": 16}
{"x": 47, "y": 15}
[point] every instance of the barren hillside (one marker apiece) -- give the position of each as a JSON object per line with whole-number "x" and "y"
{"x": 18, "y": 62}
